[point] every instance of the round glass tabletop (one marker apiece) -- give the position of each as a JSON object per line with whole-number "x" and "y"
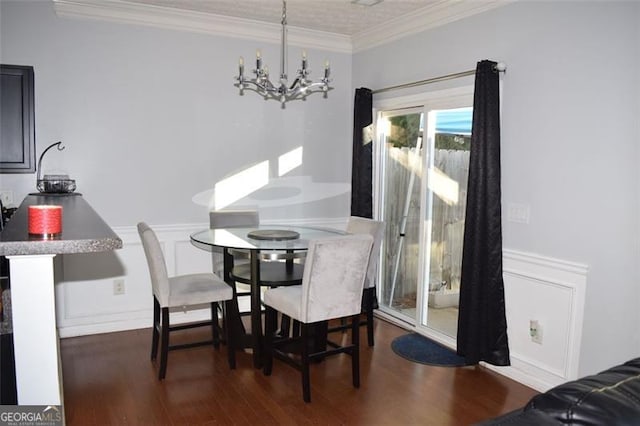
{"x": 239, "y": 237}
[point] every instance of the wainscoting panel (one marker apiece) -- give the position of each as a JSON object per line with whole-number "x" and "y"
{"x": 551, "y": 292}
{"x": 85, "y": 299}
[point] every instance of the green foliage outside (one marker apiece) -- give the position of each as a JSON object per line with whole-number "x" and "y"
{"x": 405, "y": 130}
{"x": 453, "y": 142}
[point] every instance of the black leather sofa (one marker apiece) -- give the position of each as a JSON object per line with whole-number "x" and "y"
{"x": 611, "y": 397}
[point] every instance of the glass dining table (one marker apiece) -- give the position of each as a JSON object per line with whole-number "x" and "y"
{"x": 279, "y": 245}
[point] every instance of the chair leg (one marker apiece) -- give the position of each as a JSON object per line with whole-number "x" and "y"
{"x": 224, "y": 325}
{"x": 164, "y": 346}
{"x": 343, "y": 323}
{"x": 355, "y": 352}
{"x": 155, "y": 333}
{"x": 231, "y": 349}
{"x": 304, "y": 359}
{"x": 270, "y": 324}
{"x": 285, "y": 325}
{"x": 370, "y": 294}
{"x": 215, "y": 326}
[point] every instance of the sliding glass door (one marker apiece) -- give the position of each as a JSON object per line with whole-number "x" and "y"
{"x": 401, "y": 133}
{"x": 421, "y": 173}
{"x": 448, "y": 168}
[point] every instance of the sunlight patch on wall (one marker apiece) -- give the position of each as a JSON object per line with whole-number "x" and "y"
{"x": 292, "y": 190}
{"x": 235, "y": 187}
{"x": 289, "y": 161}
{"x": 279, "y": 192}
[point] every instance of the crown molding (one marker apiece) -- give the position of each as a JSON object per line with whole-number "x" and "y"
{"x": 206, "y": 23}
{"x": 437, "y": 14}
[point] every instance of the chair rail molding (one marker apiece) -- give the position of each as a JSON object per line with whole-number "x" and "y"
{"x": 85, "y": 299}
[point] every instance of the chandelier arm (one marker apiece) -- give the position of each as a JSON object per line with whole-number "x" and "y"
{"x": 295, "y": 83}
{"x": 321, "y": 84}
{"x": 267, "y": 87}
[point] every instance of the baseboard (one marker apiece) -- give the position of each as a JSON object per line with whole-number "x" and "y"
{"x": 532, "y": 376}
{"x": 104, "y": 327}
{"x": 177, "y": 317}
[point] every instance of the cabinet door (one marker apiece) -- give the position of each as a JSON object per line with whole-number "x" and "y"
{"x": 17, "y": 131}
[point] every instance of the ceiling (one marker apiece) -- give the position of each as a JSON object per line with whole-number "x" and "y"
{"x": 334, "y": 16}
{"x": 335, "y": 25}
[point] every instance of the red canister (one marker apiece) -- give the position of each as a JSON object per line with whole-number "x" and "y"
{"x": 45, "y": 220}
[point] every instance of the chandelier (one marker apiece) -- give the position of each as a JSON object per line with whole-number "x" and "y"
{"x": 282, "y": 90}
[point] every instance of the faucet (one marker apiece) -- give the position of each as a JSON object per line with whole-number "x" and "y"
{"x": 60, "y": 148}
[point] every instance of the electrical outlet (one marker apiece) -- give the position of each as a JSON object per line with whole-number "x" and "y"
{"x": 6, "y": 196}
{"x": 118, "y": 287}
{"x": 535, "y": 331}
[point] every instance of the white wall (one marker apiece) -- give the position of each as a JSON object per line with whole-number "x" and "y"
{"x": 150, "y": 117}
{"x": 569, "y": 141}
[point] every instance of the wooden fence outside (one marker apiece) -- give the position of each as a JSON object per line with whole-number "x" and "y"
{"x": 451, "y": 169}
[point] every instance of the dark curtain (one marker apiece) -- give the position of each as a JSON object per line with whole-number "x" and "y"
{"x": 482, "y": 324}
{"x": 361, "y": 169}
{"x": 361, "y": 187}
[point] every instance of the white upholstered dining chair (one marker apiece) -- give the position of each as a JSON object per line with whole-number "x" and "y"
{"x": 361, "y": 225}
{"x": 180, "y": 292}
{"x": 332, "y": 286}
{"x": 375, "y": 228}
{"x": 227, "y": 219}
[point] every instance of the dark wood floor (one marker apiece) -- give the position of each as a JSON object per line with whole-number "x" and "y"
{"x": 109, "y": 380}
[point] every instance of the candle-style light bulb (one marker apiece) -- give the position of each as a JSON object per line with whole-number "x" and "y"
{"x": 241, "y": 66}
{"x": 304, "y": 59}
{"x": 326, "y": 69}
{"x": 258, "y": 59}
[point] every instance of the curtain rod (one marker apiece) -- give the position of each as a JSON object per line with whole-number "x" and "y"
{"x": 500, "y": 67}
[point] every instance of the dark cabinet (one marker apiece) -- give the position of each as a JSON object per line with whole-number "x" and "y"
{"x": 17, "y": 131}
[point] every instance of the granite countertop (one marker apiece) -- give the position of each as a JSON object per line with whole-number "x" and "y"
{"x": 83, "y": 230}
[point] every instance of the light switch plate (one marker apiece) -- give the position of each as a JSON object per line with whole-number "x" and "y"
{"x": 518, "y": 213}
